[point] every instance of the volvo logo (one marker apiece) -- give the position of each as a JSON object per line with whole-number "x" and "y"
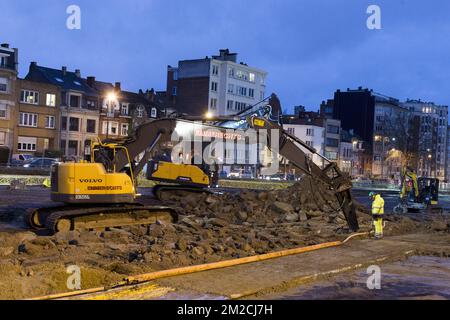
{"x": 91, "y": 180}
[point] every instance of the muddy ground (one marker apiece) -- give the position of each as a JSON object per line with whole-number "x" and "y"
{"x": 210, "y": 228}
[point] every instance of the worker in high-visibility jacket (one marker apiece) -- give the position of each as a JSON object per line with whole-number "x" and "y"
{"x": 377, "y": 213}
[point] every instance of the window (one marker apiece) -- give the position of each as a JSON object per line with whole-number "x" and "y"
{"x": 140, "y": 111}
{"x": 110, "y": 127}
{"x": 332, "y": 129}
{"x": 74, "y": 124}
{"x": 241, "y": 75}
{"x": 251, "y": 77}
{"x": 309, "y": 143}
{"x": 231, "y": 88}
{"x": 154, "y": 113}
{"x": 73, "y": 148}
{"x": 3, "y": 111}
{"x": 125, "y": 109}
{"x": 124, "y": 129}
{"x": 213, "y": 104}
{"x": 91, "y": 104}
{"x": 74, "y": 101}
{"x": 2, "y": 138}
{"x": 175, "y": 75}
{"x": 215, "y": 70}
{"x": 309, "y": 132}
{"x": 3, "y": 84}
{"x": 251, "y": 92}
{"x": 64, "y": 123}
{"x": 331, "y": 155}
{"x": 90, "y": 126}
{"x": 62, "y": 145}
{"x": 27, "y": 96}
{"x": 3, "y": 61}
{"x": 239, "y": 106}
{"x": 230, "y": 104}
{"x": 174, "y": 91}
{"x": 50, "y": 100}
{"x": 242, "y": 91}
{"x": 28, "y": 119}
{"x": 291, "y": 131}
{"x": 231, "y": 72}
{"x": 113, "y": 127}
{"x": 214, "y": 86}
{"x": 332, "y": 142}
{"x": 50, "y": 122}
{"x": 26, "y": 143}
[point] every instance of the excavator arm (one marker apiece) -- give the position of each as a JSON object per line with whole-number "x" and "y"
{"x": 331, "y": 175}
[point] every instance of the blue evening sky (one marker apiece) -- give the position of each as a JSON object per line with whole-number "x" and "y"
{"x": 309, "y": 48}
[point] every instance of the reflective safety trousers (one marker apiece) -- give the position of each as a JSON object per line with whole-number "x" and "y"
{"x": 377, "y": 214}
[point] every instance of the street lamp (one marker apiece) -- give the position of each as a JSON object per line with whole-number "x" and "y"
{"x": 208, "y": 115}
{"x": 110, "y": 97}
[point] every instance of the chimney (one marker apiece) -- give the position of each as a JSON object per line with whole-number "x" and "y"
{"x": 64, "y": 70}
{"x": 78, "y": 73}
{"x": 91, "y": 81}
{"x": 117, "y": 86}
{"x": 33, "y": 65}
{"x": 5, "y": 45}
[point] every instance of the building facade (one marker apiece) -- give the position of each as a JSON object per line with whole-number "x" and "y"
{"x": 79, "y": 108}
{"x": 432, "y": 134}
{"x": 37, "y": 119}
{"x": 8, "y": 91}
{"x": 309, "y": 130}
{"x": 217, "y": 85}
{"x": 388, "y": 150}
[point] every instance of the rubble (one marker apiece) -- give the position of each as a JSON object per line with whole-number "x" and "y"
{"x": 211, "y": 227}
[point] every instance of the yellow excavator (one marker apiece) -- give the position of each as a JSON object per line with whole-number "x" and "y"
{"x": 101, "y": 192}
{"x": 417, "y": 194}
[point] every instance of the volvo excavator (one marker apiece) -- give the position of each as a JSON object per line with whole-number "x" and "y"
{"x": 101, "y": 192}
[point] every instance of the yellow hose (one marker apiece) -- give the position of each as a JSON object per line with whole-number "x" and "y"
{"x": 133, "y": 280}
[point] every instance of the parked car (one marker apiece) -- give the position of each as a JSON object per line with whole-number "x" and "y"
{"x": 246, "y": 175}
{"x": 234, "y": 174}
{"x": 22, "y": 157}
{"x": 276, "y": 177}
{"x": 40, "y": 163}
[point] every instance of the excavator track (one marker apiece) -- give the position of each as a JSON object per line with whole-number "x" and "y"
{"x": 67, "y": 218}
{"x": 164, "y": 192}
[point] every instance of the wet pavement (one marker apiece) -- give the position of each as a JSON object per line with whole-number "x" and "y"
{"x": 415, "y": 278}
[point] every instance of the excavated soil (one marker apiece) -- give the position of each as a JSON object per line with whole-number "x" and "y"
{"x": 211, "y": 227}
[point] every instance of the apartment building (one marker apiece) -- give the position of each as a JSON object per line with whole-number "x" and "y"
{"x": 121, "y": 111}
{"x": 432, "y": 137}
{"x": 380, "y": 121}
{"x": 79, "y": 108}
{"x": 8, "y": 79}
{"x": 217, "y": 85}
{"x": 37, "y": 118}
{"x": 310, "y": 130}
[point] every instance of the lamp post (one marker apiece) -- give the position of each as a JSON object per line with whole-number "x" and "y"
{"x": 110, "y": 97}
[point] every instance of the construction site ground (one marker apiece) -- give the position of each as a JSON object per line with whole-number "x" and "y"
{"x": 234, "y": 224}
